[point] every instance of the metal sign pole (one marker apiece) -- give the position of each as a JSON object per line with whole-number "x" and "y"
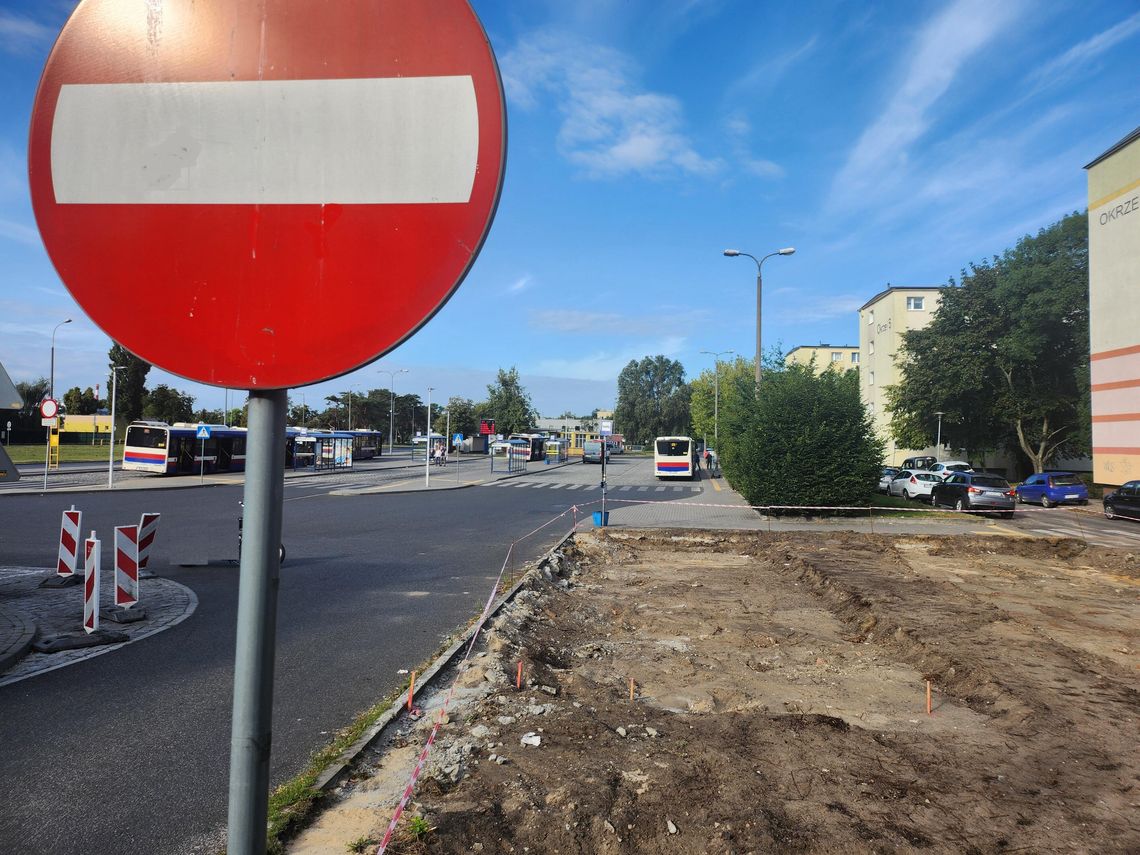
{"x": 257, "y": 624}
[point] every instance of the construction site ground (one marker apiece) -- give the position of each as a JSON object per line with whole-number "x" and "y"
{"x": 779, "y": 704}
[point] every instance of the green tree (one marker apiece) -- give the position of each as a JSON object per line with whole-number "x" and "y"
{"x": 508, "y": 404}
{"x": 31, "y": 392}
{"x": 168, "y": 405}
{"x": 653, "y": 399}
{"x": 78, "y": 402}
{"x": 463, "y": 418}
{"x": 1006, "y": 354}
{"x": 130, "y": 396}
{"x": 708, "y": 402}
{"x": 800, "y": 439}
{"x": 209, "y": 417}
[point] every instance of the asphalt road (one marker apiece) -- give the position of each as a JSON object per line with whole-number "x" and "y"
{"x": 130, "y": 751}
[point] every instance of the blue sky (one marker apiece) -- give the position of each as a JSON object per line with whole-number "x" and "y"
{"x": 887, "y": 142}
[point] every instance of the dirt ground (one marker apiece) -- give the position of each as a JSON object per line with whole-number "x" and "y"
{"x": 779, "y": 704}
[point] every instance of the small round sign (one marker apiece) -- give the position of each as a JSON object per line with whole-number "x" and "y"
{"x": 266, "y": 195}
{"x": 49, "y": 408}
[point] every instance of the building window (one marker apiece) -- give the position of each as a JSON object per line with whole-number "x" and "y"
{"x": 871, "y": 318}
{"x": 915, "y": 304}
{"x": 836, "y": 356}
{"x": 854, "y": 358}
{"x": 871, "y": 346}
{"x": 870, "y": 378}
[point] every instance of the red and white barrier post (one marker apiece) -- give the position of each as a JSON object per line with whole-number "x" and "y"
{"x": 69, "y": 530}
{"x": 92, "y": 556}
{"x": 148, "y": 528}
{"x": 126, "y": 565}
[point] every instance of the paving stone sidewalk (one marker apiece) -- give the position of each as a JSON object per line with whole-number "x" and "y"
{"x": 28, "y": 612}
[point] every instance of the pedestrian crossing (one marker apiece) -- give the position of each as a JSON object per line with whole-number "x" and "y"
{"x": 1098, "y": 536}
{"x": 586, "y": 488}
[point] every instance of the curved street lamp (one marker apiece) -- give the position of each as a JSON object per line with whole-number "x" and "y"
{"x": 51, "y": 380}
{"x": 732, "y": 253}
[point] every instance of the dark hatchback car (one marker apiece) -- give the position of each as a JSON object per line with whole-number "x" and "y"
{"x": 969, "y": 491}
{"x": 1123, "y": 502}
{"x": 1053, "y": 488}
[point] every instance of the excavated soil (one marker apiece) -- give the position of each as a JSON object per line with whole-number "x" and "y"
{"x": 779, "y": 704}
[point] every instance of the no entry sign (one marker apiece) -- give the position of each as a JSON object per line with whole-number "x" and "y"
{"x": 266, "y": 194}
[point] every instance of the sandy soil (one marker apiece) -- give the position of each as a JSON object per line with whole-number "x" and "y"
{"x": 779, "y": 704}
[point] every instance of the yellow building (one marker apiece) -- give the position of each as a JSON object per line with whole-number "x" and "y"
{"x": 1114, "y": 311}
{"x": 882, "y": 320}
{"x": 844, "y": 357}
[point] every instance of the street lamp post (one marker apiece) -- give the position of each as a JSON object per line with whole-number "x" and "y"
{"x": 51, "y": 394}
{"x": 391, "y": 402}
{"x": 938, "y": 441}
{"x": 114, "y": 392}
{"x": 716, "y": 394}
{"x": 732, "y": 253}
{"x": 427, "y": 443}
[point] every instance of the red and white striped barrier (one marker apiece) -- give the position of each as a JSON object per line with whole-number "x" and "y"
{"x": 126, "y": 565}
{"x": 91, "y": 584}
{"x": 69, "y": 530}
{"x": 148, "y": 528}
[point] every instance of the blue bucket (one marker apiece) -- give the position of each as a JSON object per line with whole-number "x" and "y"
{"x": 601, "y": 519}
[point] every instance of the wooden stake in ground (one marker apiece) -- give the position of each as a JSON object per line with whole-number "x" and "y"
{"x": 928, "y": 697}
{"x": 411, "y": 689}
{"x": 518, "y": 677}
{"x": 631, "y": 684}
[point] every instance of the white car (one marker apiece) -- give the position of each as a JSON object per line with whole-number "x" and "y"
{"x": 945, "y": 468}
{"x": 913, "y": 484}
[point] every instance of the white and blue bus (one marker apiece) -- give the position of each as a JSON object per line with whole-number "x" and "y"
{"x": 675, "y": 457}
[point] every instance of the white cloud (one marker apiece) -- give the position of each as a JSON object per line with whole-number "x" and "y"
{"x": 21, "y": 35}
{"x": 1081, "y": 54}
{"x": 834, "y": 306}
{"x": 939, "y": 52}
{"x": 611, "y": 323}
{"x": 19, "y": 233}
{"x": 764, "y": 76}
{"x": 520, "y": 284}
{"x": 737, "y": 130}
{"x": 610, "y": 127}
{"x": 606, "y": 364}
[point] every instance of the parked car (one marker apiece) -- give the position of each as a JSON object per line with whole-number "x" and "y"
{"x": 1123, "y": 502}
{"x": 967, "y": 491}
{"x": 1053, "y": 488}
{"x": 913, "y": 483}
{"x": 888, "y": 473}
{"x": 592, "y": 451}
{"x": 945, "y": 467}
{"x": 923, "y": 463}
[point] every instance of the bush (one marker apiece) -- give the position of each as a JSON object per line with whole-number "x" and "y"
{"x": 805, "y": 439}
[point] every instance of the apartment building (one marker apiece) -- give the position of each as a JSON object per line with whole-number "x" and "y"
{"x": 844, "y": 357}
{"x": 1114, "y": 310}
{"x": 882, "y": 320}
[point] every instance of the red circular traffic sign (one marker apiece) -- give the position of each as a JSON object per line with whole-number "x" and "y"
{"x": 264, "y": 195}
{"x": 49, "y": 408}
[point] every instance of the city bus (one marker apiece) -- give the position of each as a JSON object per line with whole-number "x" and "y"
{"x": 675, "y": 457}
{"x": 162, "y": 449}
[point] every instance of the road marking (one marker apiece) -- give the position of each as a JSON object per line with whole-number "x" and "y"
{"x": 626, "y": 488}
{"x": 659, "y": 490}
{"x": 716, "y": 485}
{"x": 642, "y": 489}
{"x": 574, "y": 487}
{"x": 1012, "y": 532}
{"x": 557, "y": 486}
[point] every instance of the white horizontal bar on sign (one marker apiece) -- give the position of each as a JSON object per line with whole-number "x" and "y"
{"x": 274, "y": 142}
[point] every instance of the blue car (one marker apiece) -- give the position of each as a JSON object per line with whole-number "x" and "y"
{"x": 1053, "y": 488}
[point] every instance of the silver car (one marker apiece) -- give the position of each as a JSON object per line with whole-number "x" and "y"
{"x": 965, "y": 491}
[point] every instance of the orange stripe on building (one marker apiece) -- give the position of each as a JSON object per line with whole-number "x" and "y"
{"x": 1115, "y": 450}
{"x": 1118, "y": 417}
{"x": 1117, "y": 384}
{"x": 1120, "y": 351}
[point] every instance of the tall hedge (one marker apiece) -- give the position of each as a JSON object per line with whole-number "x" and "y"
{"x": 801, "y": 439}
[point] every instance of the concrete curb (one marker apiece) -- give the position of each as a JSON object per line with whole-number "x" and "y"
{"x": 23, "y": 630}
{"x": 331, "y": 776}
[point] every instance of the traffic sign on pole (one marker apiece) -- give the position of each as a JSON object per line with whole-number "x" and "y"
{"x": 203, "y": 432}
{"x": 205, "y": 174}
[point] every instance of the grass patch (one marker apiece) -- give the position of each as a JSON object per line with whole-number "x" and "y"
{"x": 917, "y": 509}
{"x": 78, "y": 453}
